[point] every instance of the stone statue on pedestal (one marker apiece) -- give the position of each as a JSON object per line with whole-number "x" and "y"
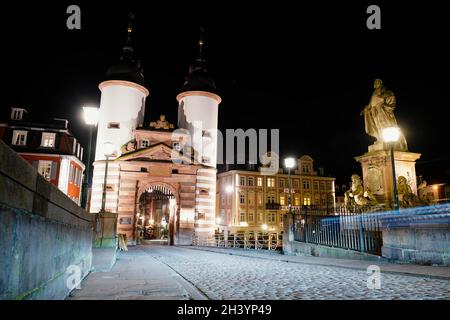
{"x": 379, "y": 114}
{"x": 406, "y": 197}
{"x": 356, "y": 195}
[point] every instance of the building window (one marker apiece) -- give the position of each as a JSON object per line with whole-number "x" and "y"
{"x": 306, "y": 184}
{"x": 242, "y": 199}
{"x": 176, "y": 146}
{"x": 145, "y": 143}
{"x": 281, "y": 183}
{"x": 306, "y": 201}
{"x": 306, "y": 169}
{"x": 242, "y": 181}
{"x": 260, "y": 199}
{"x": 330, "y": 186}
{"x": 316, "y": 185}
{"x": 297, "y": 200}
{"x": 251, "y": 181}
{"x": 251, "y": 218}
{"x": 271, "y": 182}
{"x": 270, "y": 199}
{"x": 282, "y": 200}
{"x": 251, "y": 198}
{"x": 113, "y": 125}
{"x": 271, "y": 217}
{"x": 295, "y": 184}
{"x": 19, "y": 138}
{"x": 260, "y": 182}
{"x": 48, "y": 139}
{"x": 242, "y": 217}
{"x": 16, "y": 113}
{"x": 45, "y": 169}
{"x": 322, "y": 186}
{"x": 260, "y": 217}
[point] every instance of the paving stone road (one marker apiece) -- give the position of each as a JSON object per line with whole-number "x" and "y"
{"x": 223, "y": 276}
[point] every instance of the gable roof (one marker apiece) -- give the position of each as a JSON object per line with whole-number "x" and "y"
{"x": 159, "y": 152}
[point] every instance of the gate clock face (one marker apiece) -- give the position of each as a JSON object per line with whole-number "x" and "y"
{"x": 374, "y": 180}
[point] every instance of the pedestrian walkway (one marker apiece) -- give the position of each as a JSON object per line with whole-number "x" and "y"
{"x": 406, "y": 269}
{"x": 136, "y": 275}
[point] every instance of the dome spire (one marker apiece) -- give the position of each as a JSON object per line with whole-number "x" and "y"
{"x": 200, "y": 63}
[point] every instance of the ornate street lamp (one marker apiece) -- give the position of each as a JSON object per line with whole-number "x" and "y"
{"x": 391, "y": 136}
{"x": 289, "y": 163}
{"x": 108, "y": 147}
{"x": 90, "y": 115}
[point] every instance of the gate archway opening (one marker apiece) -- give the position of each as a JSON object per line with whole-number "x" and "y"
{"x": 156, "y": 215}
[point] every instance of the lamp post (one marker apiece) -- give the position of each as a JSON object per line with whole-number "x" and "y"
{"x": 90, "y": 115}
{"x": 391, "y": 136}
{"x": 108, "y": 147}
{"x": 289, "y": 163}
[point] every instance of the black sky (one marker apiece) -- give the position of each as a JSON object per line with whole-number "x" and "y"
{"x": 307, "y": 70}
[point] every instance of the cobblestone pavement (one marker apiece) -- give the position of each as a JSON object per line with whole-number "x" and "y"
{"x": 162, "y": 272}
{"x": 221, "y": 276}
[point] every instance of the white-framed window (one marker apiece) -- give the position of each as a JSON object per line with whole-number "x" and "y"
{"x": 242, "y": 217}
{"x": 19, "y": 138}
{"x": 271, "y": 182}
{"x": 281, "y": 183}
{"x": 242, "y": 181}
{"x": 260, "y": 216}
{"x": 296, "y": 200}
{"x": 176, "y": 146}
{"x": 271, "y": 217}
{"x": 242, "y": 198}
{"x": 322, "y": 186}
{"x": 316, "y": 185}
{"x": 251, "y": 218}
{"x": 260, "y": 199}
{"x": 251, "y": 181}
{"x": 251, "y": 198}
{"x": 17, "y": 113}
{"x": 145, "y": 143}
{"x": 45, "y": 169}
{"x": 48, "y": 139}
{"x": 295, "y": 184}
{"x": 260, "y": 182}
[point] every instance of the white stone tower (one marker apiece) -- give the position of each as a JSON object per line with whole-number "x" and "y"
{"x": 198, "y": 111}
{"x": 122, "y": 107}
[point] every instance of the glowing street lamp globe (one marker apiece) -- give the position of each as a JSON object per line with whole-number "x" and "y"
{"x": 289, "y": 163}
{"x": 108, "y": 148}
{"x": 264, "y": 226}
{"x": 391, "y": 134}
{"x": 90, "y": 115}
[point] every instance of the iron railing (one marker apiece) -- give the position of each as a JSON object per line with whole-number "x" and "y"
{"x": 346, "y": 228}
{"x": 247, "y": 240}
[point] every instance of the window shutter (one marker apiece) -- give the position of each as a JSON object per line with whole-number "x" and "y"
{"x": 36, "y": 165}
{"x": 54, "y": 168}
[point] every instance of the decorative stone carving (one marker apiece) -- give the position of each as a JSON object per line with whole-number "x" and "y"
{"x": 356, "y": 195}
{"x": 406, "y": 197}
{"x": 162, "y": 123}
{"x": 379, "y": 114}
{"x": 422, "y": 191}
{"x": 128, "y": 147}
{"x": 374, "y": 181}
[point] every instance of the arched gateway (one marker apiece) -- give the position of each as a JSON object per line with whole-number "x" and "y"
{"x": 142, "y": 167}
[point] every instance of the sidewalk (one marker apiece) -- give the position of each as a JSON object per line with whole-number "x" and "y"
{"x": 136, "y": 275}
{"x": 404, "y": 269}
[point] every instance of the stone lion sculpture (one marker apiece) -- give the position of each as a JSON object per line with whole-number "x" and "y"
{"x": 356, "y": 195}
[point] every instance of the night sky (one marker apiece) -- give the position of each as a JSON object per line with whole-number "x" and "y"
{"x": 305, "y": 70}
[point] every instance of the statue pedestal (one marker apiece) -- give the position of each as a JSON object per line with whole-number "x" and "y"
{"x": 377, "y": 172}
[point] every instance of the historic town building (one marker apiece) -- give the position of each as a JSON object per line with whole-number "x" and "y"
{"x": 49, "y": 146}
{"x": 250, "y": 201}
{"x": 161, "y": 178}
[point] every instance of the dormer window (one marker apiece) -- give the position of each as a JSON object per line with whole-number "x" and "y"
{"x": 145, "y": 143}
{"x": 176, "y": 146}
{"x": 19, "y": 138}
{"x": 17, "y": 113}
{"x": 48, "y": 140}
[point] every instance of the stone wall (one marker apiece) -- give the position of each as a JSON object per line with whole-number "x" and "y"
{"x": 427, "y": 244}
{"x": 45, "y": 238}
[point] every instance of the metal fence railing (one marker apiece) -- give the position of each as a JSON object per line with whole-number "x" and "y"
{"x": 247, "y": 240}
{"x": 347, "y": 229}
